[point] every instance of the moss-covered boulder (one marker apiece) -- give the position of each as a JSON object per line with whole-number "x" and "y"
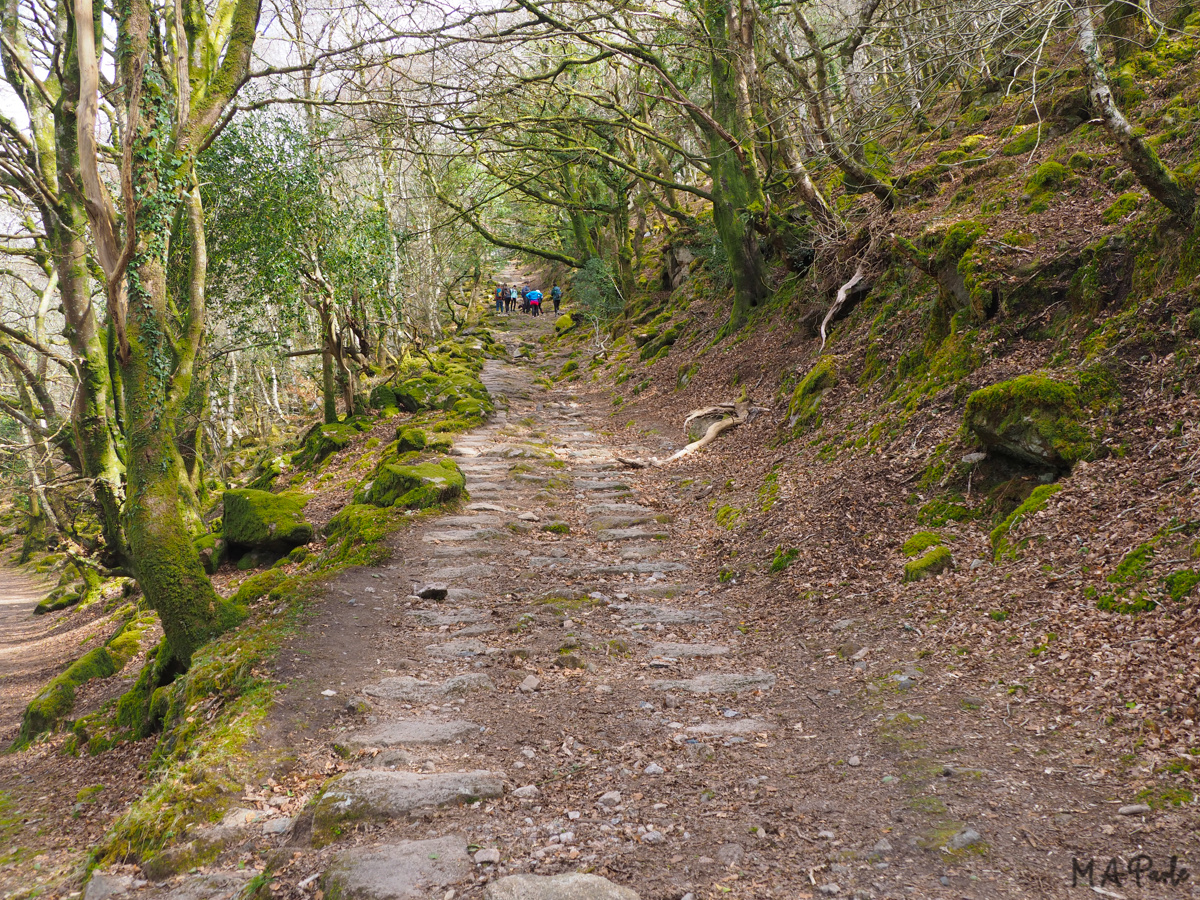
{"x": 325, "y": 439}
{"x": 1034, "y": 419}
{"x": 564, "y": 323}
{"x": 929, "y": 564}
{"x": 211, "y": 548}
{"x": 382, "y": 396}
{"x": 409, "y": 438}
{"x": 257, "y": 520}
{"x": 433, "y": 391}
{"x": 414, "y": 487}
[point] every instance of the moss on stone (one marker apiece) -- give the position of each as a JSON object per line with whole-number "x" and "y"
{"x": 409, "y": 438}
{"x": 414, "y": 487}
{"x": 1024, "y": 141}
{"x": 938, "y": 512}
{"x": 804, "y": 407}
{"x": 557, "y": 528}
{"x": 259, "y": 585}
{"x": 564, "y": 323}
{"x": 1032, "y": 418}
{"x": 920, "y": 542}
{"x": 382, "y": 396}
{"x": 265, "y": 521}
{"x": 653, "y": 348}
{"x": 934, "y": 562}
{"x": 1003, "y": 546}
{"x": 211, "y": 548}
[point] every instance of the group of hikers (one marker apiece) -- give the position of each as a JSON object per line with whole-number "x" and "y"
{"x": 509, "y": 298}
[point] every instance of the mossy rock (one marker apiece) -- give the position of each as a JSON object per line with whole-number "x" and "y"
{"x": 433, "y": 391}
{"x": 932, "y": 563}
{"x": 382, "y": 396}
{"x": 1023, "y": 142}
{"x": 652, "y": 348}
{"x": 262, "y": 521}
{"x": 1048, "y": 177}
{"x": 414, "y": 487}
{"x": 211, "y": 548}
{"x": 409, "y": 438}
{"x": 564, "y": 323}
{"x": 1034, "y": 419}
{"x": 323, "y": 441}
{"x": 804, "y": 408}
{"x": 920, "y": 542}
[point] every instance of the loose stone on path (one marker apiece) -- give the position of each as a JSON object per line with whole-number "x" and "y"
{"x": 386, "y": 794}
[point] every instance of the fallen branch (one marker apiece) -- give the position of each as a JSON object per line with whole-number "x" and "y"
{"x": 735, "y": 414}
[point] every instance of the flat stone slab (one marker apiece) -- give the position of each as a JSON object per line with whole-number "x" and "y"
{"x": 410, "y": 733}
{"x": 460, "y": 534}
{"x": 652, "y": 614}
{"x": 557, "y": 887}
{"x": 642, "y": 568}
{"x": 605, "y": 523}
{"x": 214, "y": 886}
{"x": 688, "y": 651}
{"x": 619, "y": 509}
{"x": 615, "y": 487}
{"x": 410, "y": 870}
{"x": 733, "y": 726}
{"x": 385, "y": 794}
{"x": 459, "y": 552}
{"x": 630, "y": 534}
{"x": 483, "y": 486}
{"x": 407, "y": 689}
{"x": 451, "y": 573}
{"x": 719, "y": 683}
{"x": 486, "y": 507}
{"x": 463, "y": 648}
{"x": 517, "y": 451}
{"x": 438, "y": 617}
{"x": 469, "y": 521}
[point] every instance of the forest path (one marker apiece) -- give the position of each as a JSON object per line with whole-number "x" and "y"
{"x": 21, "y": 665}
{"x": 553, "y": 680}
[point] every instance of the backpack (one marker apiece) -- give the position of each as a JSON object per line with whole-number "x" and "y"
{"x": 555, "y": 292}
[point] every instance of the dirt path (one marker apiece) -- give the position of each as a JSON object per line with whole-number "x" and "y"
{"x": 576, "y": 691}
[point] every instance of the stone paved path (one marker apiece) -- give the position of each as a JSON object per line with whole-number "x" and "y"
{"x": 540, "y": 698}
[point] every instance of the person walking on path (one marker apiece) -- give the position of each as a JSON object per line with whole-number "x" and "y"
{"x": 556, "y": 297}
{"x": 535, "y": 302}
{"x": 501, "y": 294}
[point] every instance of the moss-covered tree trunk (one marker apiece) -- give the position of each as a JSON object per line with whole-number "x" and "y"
{"x": 738, "y": 200}
{"x": 328, "y": 379}
{"x": 156, "y": 371}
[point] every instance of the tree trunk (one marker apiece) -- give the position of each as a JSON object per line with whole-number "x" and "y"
{"x": 738, "y": 199}
{"x": 328, "y": 382}
{"x": 1150, "y": 170}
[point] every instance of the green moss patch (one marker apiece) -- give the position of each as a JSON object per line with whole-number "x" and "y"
{"x": 804, "y": 407}
{"x": 932, "y": 563}
{"x": 52, "y": 705}
{"x": 783, "y": 559}
{"x": 1003, "y": 544}
{"x": 1120, "y": 208}
{"x": 920, "y": 542}
{"x": 1179, "y": 584}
